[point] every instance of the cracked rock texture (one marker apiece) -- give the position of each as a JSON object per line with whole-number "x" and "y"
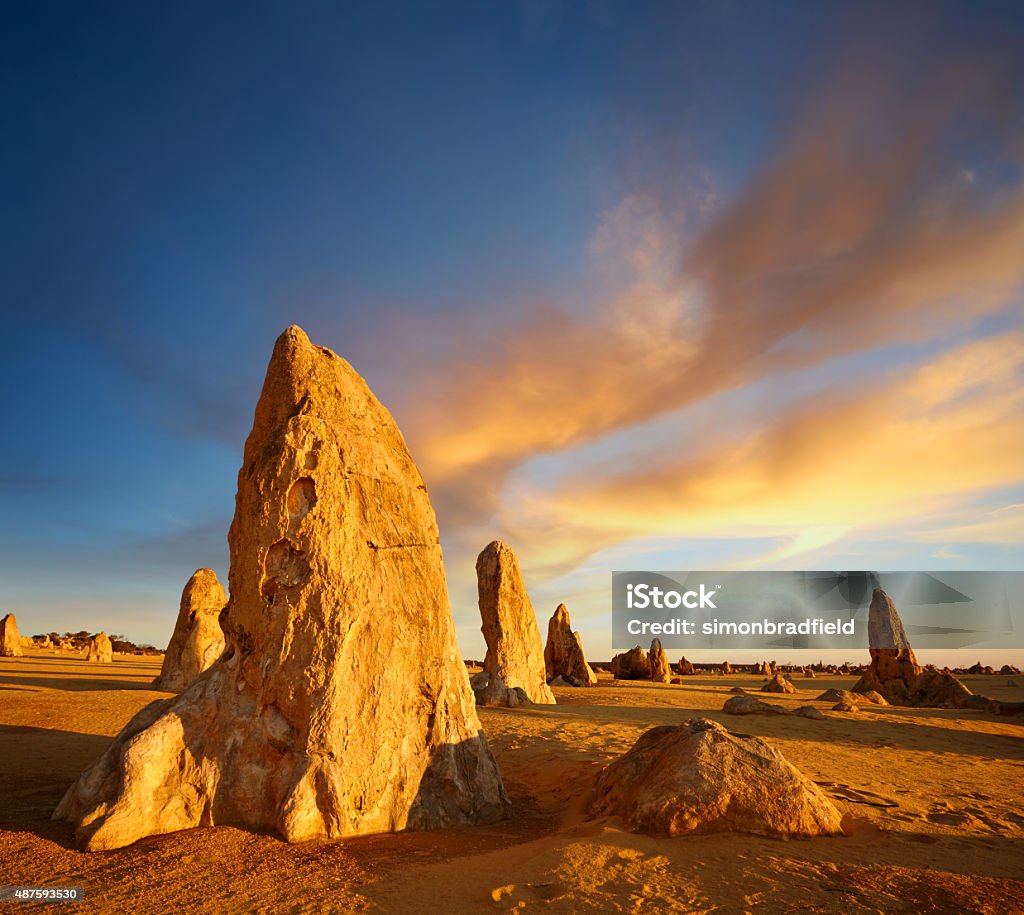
{"x": 308, "y": 725}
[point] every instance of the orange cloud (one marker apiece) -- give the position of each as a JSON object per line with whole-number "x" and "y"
{"x": 864, "y": 230}
{"x": 836, "y": 463}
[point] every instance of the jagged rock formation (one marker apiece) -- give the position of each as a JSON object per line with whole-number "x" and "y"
{"x": 341, "y": 705}
{"x": 631, "y": 665}
{"x": 514, "y": 650}
{"x": 657, "y": 662}
{"x": 726, "y": 668}
{"x": 699, "y": 778}
{"x": 100, "y": 649}
{"x": 686, "y": 668}
{"x": 778, "y": 684}
{"x": 490, "y": 690}
{"x": 10, "y": 638}
{"x": 563, "y": 653}
{"x": 894, "y": 672}
{"x": 198, "y": 639}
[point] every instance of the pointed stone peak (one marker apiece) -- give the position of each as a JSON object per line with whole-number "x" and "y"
{"x": 885, "y": 629}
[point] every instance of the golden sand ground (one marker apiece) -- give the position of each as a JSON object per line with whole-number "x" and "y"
{"x": 950, "y": 837}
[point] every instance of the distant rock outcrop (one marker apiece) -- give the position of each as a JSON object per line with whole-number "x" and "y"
{"x": 341, "y": 705}
{"x": 10, "y": 638}
{"x": 657, "y": 662}
{"x": 514, "y": 649}
{"x": 198, "y": 639}
{"x": 631, "y": 665}
{"x": 698, "y": 778}
{"x": 563, "y": 653}
{"x": 100, "y": 649}
{"x": 893, "y": 667}
{"x": 685, "y": 668}
{"x": 894, "y": 672}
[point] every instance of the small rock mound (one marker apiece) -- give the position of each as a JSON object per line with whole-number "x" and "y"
{"x": 809, "y": 711}
{"x": 846, "y": 707}
{"x": 698, "y": 778}
{"x": 843, "y": 695}
{"x": 10, "y": 638}
{"x": 491, "y": 691}
{"x": 778, "y": 684}
{"x": 749, "y": 705}
{"x": 100, "y": 649}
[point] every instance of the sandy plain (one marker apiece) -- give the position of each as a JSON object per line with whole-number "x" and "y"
{"x": 934, "y": 802}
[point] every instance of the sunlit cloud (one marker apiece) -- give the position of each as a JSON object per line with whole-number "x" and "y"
{"x": 861, "y": 232}
{"x": 882, "y": 455}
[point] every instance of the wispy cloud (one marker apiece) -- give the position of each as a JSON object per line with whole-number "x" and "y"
{"x": 860, "y": 232}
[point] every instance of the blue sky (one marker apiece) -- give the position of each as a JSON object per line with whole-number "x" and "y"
{"x": 569, "y": 245}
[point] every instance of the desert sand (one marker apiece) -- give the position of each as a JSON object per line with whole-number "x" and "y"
{"x": 933, "y": 799}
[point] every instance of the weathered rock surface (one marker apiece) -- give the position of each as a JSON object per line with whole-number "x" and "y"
{"x": 341, "y": 705}
{"x": 514, "y": 649}
{"x": 631, "y": 665}
{"x": 657, "y": 662}
{"x": 846, "y": 707}
{"x": 778, "y": 684}
{"x": 10, "y": 638}
{"x": 100, "y": 649}
{"x": 198, "y": 639}
{"x": 563, "y": 653}
{"x": 490, "y": 690}
{"x": 699, "y": 778}
{"x": 686, "y": 668}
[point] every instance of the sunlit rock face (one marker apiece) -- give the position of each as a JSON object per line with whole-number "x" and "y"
{"x": 10, "y": 638}
{"x": 100, "y": 649}
{"x": 563, "y": 652}
{"x": 509, "y": 624}
{"x": 198, "y": 639}
{"x": 698, "y": 778}
{"x": 341, "y": 705}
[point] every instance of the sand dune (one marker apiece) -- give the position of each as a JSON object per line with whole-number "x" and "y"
{"x": 934, "y": 802}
